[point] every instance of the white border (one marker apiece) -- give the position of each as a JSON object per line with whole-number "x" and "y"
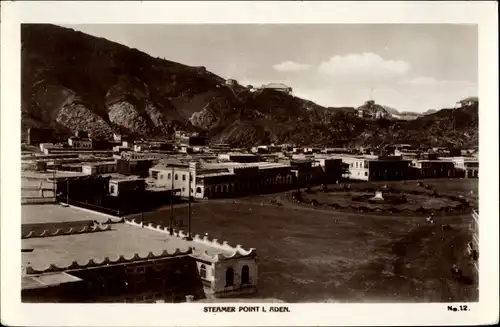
{"x": 13, "y": 13}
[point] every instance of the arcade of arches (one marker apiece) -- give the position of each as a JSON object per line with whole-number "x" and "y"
{"x": 250, "y": 186}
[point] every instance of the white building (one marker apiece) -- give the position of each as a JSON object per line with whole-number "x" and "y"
{"x": 280, "y": 87}
{"x": 223, "y": 179}
{"x": 80, "y": 142}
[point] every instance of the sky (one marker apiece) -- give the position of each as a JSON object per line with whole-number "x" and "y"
{"x": 410, "y": 67}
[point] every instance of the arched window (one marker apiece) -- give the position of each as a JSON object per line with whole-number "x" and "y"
{"x": 203, "y": 271}
{"x": 198, "y": 189}
{"x": 176, "y": 177}
{"x": 183, "y": 177}
{"x": 245, "y": 275}
{"x": 229, "y": 277}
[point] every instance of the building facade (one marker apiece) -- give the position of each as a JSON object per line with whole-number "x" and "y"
{"x": 222, "y": 179}
{"x": 127, "y": 188}
{"x": 378, "y": 168}
{"x": 99, "y": 168}
{"x": 433, "y": 169}
{"x": 197, "y": 269}
{"x": 80, "y": 142}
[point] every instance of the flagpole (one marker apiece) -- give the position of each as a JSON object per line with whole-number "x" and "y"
{"x": 171, "y": 228}
{"x": 189, "y": 207}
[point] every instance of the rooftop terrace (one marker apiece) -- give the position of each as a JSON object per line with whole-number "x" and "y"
{"x": 75, "y": 247}
{"x": 45, "y": 213}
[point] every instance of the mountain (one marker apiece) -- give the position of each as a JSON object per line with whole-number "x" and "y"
{"x": 72, "y": 81}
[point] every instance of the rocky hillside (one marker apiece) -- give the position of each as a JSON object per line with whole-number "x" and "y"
{"x": 73, "y": 81}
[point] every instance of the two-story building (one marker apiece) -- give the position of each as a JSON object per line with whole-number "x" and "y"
{"x": 466, "y": 167}
{"x": 222, "y": 179}
{"x": 433, "y": 168}
{"x": 369, "y": 168}
{"x": 93, "y": 260}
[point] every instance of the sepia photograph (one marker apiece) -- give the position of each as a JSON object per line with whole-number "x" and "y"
{"x": 260, "y": 165}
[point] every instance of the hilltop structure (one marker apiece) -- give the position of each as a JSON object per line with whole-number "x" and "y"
{"x": 467, "y": 102}
{"x": 280, "y": 87}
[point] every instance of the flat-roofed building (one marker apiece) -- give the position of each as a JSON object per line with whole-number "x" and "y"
{"x": 238, "y": 157}
{"x": 139, "y": 167}
{"x": 332, "y": 169}
{"x": 80, "y": 142}
{"x": 433, "y": 168}
{"x": 222, "y": 179}
{"x": 91, "y": 260}
{"x": 466, "y": 167}
{"x": 190, "y": 139}
{"x": 126, "y": 187}
{"x": 99, "y": 168}
{"x": 369, "y": 168}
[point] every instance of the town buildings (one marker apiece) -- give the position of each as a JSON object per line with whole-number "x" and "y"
{"x": 88, "y": 258}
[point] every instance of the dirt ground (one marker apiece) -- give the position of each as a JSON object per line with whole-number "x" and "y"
{"x": 313, "y": 255}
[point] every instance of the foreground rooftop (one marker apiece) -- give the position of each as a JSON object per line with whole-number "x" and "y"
{"x": 57, "y": 239}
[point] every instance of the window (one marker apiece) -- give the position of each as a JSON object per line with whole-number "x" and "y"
{"x": 245, "y": 275}
{"x": 198, "y": 190}
{"x": 183, "y": 189}
{"x": 112, "y": 189}
{"x": 161, "y": 176}
{"x": 183, "y": 177}
{"x": 154, "y": 174}
{"x": 176, "y": 177}
{"x": 169, "y": 176}
{"x": 229, "y": 277}
{"x": 203, "y": 271}
{"x": 366, "y": 173}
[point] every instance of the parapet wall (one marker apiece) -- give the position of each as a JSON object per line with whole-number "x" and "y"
{"x": 67, "y": 228}
{"x": 226, "y": 251}
{"x": 121, "y": 259}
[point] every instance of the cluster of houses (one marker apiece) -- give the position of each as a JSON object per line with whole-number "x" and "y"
{"x": 165, "y": 264}
{"x": 161, "y": 169}
{"x": 218, "y": 170}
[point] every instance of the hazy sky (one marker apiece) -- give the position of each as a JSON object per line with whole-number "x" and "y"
{"x": 409, "y": 67}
